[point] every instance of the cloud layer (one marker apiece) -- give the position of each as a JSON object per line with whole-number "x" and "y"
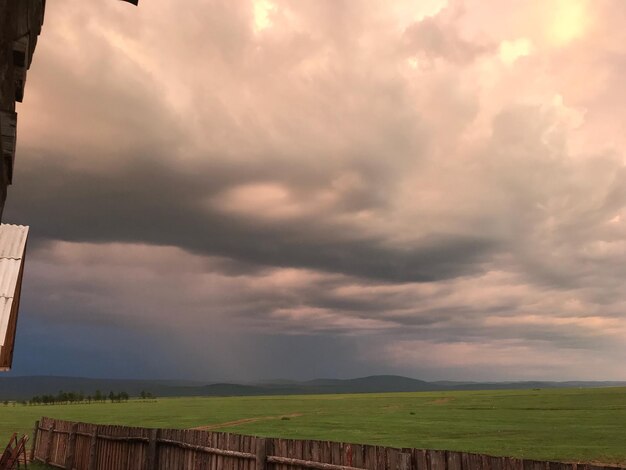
{"x": 434, "y": 189}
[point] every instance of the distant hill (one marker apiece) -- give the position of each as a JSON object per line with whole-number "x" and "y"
{"x": 371, "y": 384}
{"x": 24, "y": 388}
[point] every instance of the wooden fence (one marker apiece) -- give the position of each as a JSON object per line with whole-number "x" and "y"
{"x": 83, "y": 446}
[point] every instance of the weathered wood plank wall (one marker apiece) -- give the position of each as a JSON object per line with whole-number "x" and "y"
{"x": 20, "y": 26}
{"x": 83, "y": 446}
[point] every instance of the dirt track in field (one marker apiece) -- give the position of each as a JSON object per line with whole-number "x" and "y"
{"x": 237, "y": 422}
{"x": 441, "y": 401}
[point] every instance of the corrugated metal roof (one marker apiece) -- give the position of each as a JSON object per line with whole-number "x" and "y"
{"x": 12, "y": 245}
{"x": 12, "y": 241}
{"x": 6, "y": 303}
{"x": 9, "y": 270}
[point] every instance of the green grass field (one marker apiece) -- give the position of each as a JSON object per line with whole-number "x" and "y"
{"x": 567, "y": 424}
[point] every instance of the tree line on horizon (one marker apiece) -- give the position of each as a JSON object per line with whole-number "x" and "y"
{"x": 70, "y": 398}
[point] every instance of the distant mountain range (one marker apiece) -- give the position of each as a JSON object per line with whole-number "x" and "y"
{"x": 24, "y": 388}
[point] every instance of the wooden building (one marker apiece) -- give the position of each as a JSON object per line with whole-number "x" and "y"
{"x": 20, "y": 26}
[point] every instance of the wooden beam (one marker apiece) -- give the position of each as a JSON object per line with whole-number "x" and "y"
{"x": 261, "y": 454}
{"x": 21, "y": 61}
{"x": 308, "y": 464}
{"x": 8, "y": 129}
{"x": 34, "y": 445}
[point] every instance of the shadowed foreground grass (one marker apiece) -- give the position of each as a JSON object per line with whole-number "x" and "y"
{"x": 567, "y": 424}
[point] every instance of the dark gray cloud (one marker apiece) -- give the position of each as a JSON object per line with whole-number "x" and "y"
{"x": 147, "y": 201}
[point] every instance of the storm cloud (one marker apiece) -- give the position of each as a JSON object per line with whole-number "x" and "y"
{"x": 428, "y": 188}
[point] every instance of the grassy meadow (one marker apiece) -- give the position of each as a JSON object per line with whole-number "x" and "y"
{"x": 553, "y": 424}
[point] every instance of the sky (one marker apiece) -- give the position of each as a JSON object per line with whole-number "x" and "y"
{"x": 325, "y": 188}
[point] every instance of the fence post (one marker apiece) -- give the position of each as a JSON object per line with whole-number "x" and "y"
{"x": 261, "y": 453}
{"x": 71, "y": 448}
{"x": 93, "y": 449}
{"x": 49, "y": 446}
{"x": 34, "y": 444}
{"x": 151, "y": 455}
{"x": 404, "y": 462}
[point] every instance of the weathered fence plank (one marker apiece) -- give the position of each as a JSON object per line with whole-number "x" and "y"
{"x": 453, "y": 461}
{"x": 151, "y": 455}
{"x": 71, "y": 448}
{"x": 48, "y": 457}
{"x": 261, "y": 454}
{"x": 33, "y": 448}
{"x": 93, "y": 450}
{"x": 404, "y": 461}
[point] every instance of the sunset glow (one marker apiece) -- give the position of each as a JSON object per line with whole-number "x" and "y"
{"x": 570, "y": 20}
{"x": 510, "y": 51}
{"x": 262, "y": 12}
